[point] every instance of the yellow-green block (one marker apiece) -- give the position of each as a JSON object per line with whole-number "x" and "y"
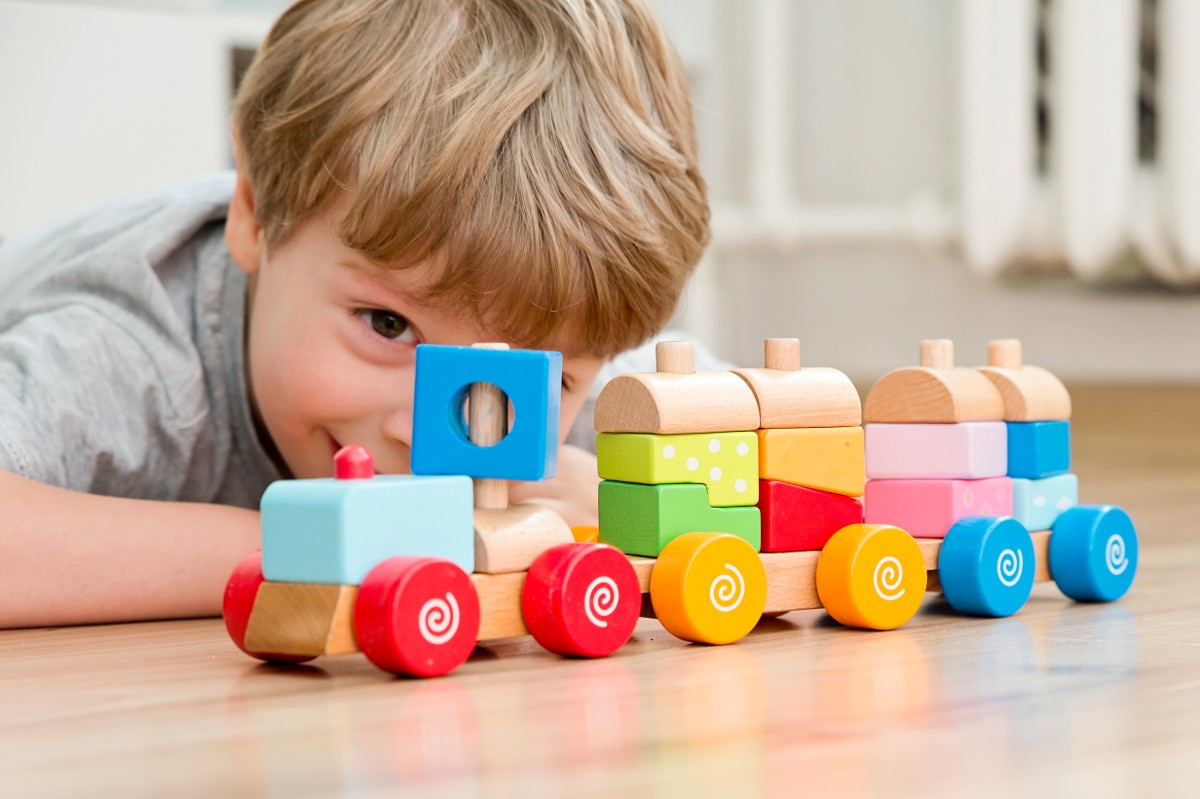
{"x": 642, "y": 519}
{"x": 726, "y": 463}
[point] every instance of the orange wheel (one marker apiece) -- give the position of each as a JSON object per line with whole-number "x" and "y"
{"x": 708, "y": 587}
{"x": 240, "y": 591}
{"x": 871, "y": 576}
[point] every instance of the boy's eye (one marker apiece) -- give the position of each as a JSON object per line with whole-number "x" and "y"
{"x": 387, "y": 324}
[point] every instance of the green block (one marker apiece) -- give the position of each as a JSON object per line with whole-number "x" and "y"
{"x": 642, "y": 519}
{"x": 726, "y": 463}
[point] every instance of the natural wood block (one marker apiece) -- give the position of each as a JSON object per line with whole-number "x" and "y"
{"x": 825, "y": 458}
{"x": 1041, "y": 548}
{"x": 509, "y": 539}
{"x": 725, "y": 463}
{"x": 967, "y": 450}
{"x": 934, "y": 392}
{"x": 500, "y": 605}
{"x": 675, "y": 402}
{"x": 303, "y": 619}
{"x": 791, "y": 581}
{"x": 1030, "y": 393}
{"x": 789, "y": 396}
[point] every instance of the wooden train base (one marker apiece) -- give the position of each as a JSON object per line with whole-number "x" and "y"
{"x": 710, "y": 588}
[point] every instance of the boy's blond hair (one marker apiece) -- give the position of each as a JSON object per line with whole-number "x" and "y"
{"x": 542, "y": 150}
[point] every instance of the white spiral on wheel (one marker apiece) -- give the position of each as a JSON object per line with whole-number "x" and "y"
{"x": 600, "y": 599}
{"x": 727, "y": 590}
{"x": 1009, "y": 566}
{"x": 889, "y": 574}
{"x": 1114, "y": 554}
{"x": 438, "y": 619}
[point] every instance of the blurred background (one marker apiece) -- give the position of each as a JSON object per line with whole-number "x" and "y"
{"x": 881, "y": 172}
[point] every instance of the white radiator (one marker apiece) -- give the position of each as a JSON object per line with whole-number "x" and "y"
{"x": 1079, "y": 126}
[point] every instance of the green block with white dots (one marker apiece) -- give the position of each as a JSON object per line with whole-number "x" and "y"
{"x": 726, "y": 463}
{"x": 642, "y": 519}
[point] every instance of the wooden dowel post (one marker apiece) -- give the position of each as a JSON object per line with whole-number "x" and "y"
{"x": 487, "y": 424}
{"x": 1005, "y": 353}
{"x": 782, "y": 354}
{"x": 937, "y": 353}
{"x": 676, "y": 357}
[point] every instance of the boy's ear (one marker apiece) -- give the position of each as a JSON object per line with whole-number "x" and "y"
{"x": 243, "y": 233}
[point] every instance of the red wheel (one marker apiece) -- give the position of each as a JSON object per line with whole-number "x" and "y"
{"x": 581, "y": 599}
{"x": 417, "y": 616}
{"x": 240, "y": 592}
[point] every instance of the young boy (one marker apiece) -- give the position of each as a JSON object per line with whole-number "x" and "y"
{"x": 444, "y": 171}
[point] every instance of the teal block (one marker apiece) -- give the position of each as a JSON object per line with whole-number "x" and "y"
{"x": 532, "y": 381}
{"x": 335, "y": 531}
{"x": 642, "y": 519}
{"x": 1037, "y": 503}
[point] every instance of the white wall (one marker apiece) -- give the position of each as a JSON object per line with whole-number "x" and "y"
{"x": 99, "y": 97}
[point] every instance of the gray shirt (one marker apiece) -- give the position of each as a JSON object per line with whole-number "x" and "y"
{"x": 121, "y": 353}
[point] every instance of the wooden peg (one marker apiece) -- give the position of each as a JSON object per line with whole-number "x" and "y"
{"x": 1004, "y": 353}
{"x": 487, "y": 426}
{"x": 937, "y": 353}
{"x": 675, "y": 357}
{"x": 782, "y": 354}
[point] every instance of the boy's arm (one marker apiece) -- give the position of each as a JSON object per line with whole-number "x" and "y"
{"x": 572, "y": 493}
{"x": 73, "y": 558}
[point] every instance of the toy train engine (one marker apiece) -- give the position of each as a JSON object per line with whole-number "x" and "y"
{"x": 413, "y": 570}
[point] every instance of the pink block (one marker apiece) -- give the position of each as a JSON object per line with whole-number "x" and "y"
{"x": 971, "y": 450}
{"x": 929, "y": 508}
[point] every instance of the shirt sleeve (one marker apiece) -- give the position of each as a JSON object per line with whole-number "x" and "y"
{"x": 96, "y": 397}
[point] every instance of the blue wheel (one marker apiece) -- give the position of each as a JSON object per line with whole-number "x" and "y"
{"x": 986, "y": 565}
{"x": 1094, "y": 553}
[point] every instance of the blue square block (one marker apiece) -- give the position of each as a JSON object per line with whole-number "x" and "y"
{"x": 1037, "y": 503}
{"x": 532, "y": 379}
{"x": 1038, "y": 449}
{"x": 335, "y": 531}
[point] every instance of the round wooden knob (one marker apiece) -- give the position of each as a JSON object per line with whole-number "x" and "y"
{"x": 1004, "y": 353}
{"x": 937, "y": 353}
{"x": 675, "y": 357}
{"x": 782, "y": 354}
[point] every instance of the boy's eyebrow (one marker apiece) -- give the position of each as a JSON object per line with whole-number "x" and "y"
{"x": 371, "y": 280}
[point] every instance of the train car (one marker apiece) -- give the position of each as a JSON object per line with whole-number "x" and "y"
{"x": 414, "y": 570}
{"x": 725, "y": 496}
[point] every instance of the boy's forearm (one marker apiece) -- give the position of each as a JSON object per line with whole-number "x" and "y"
{"x": 72, "y": 558}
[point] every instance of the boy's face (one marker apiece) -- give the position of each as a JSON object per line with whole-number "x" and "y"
{"x": 331, "y": 350}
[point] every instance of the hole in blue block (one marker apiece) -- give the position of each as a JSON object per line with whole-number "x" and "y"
{"x": 460, "y": 415}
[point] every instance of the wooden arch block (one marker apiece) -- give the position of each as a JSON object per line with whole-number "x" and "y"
{"x": 1030, "y": 393}
{"x": 676, "y": 398}
{"x": 789, "y": 396}
{"x": 934, "y": 392}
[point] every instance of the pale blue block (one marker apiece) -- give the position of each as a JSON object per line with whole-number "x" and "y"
{"x": 335, "y": 531}
{"x": 1037, "y": 503}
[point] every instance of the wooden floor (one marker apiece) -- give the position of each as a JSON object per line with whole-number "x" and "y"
{"x": 1062, "y": 699}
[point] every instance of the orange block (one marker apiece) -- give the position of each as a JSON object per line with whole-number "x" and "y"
{"x": 825, "y": 458}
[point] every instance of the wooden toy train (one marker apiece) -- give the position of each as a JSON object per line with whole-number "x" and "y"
{"x": 726, "y": 496}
